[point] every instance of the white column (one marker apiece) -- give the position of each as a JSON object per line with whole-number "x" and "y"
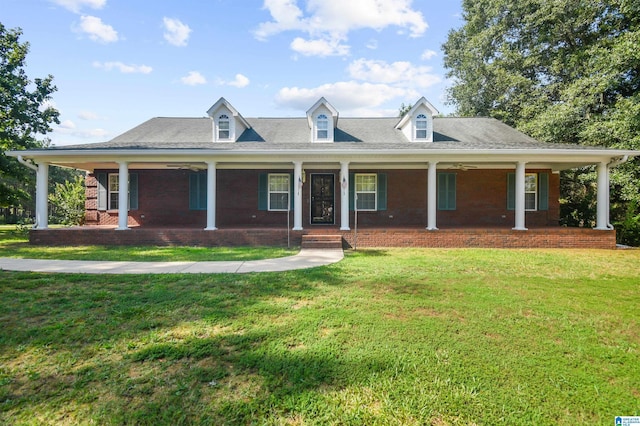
{"x": 123, "y": 196}
{"x": 344, "y": 196}
{"x": 211, "y": 196}
{"x": 42, "y": 196}
{"x": 520, "y": 198}
{"x": 297, "y": 196}
{"x": 603, "y": 197}
{"x": 432, "y": 199}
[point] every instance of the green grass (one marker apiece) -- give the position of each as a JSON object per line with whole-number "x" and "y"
{"x": 402, "y": 336}
{"x": 15, "y": 244}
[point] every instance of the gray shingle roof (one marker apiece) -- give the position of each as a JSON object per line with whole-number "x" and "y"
{"x": 273, "y": 134}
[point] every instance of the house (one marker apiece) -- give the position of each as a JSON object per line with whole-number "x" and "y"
{"x": 416, "y": 180}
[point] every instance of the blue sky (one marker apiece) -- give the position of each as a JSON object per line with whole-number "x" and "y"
{"x": 117, "y": 63}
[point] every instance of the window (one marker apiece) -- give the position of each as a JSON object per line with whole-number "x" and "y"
{"x": 421, "y": 126}
{"x": 446, "y": 191}
{"x": 198, "y": 191}
{"x": 366, "y": 191}
{"x": 531, "y": 191}
{"x": 224, "y": 128}
{"x": 279, "y": 185}
{"x": 536, "y": 191}
{"x": 114, "y": 190}
{"x": 109, "y": 191}
{"x": 322, "y": 127}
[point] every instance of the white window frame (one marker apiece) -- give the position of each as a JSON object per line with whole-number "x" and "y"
{"x": 421, "y": 125}
{"x": 359, "y": 176}
{"x": 224, "y": 118}
{"x": 322, "y": 118}
{"x": 270, "y": 191}
{"x": 531, "y": 188}
{"x": 113, "y": 191}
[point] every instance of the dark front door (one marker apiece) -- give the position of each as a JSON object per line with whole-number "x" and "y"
{"x": 322, "y": 199}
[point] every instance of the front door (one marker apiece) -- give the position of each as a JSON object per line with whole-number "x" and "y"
{"x": 322, "y": 199}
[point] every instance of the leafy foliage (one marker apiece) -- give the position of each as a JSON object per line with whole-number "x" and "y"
{"x": 68, "y": 200}
{"x": 560, "y": 71}
{"x": 24, "y": 115}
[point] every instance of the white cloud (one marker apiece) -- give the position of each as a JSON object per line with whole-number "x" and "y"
{"x": 319, "y": 47}
{"x": 428, "y": 54}
{"x": 176, "y": 33}
{"x": 87, "y": 115}
{"x": 399, "y": 73}
{"x": 194, "y": 78}
{"x": 67, "y": 125}
{"x": 334, "y": 19}
{"x": 349, "y": 97}
{"x": 76, "y": 5}
{"x": 240, "y": 81}
{"x": 372, "y": 44}
{"x": 123, "y": 68}
{"x": 97, "y": 30}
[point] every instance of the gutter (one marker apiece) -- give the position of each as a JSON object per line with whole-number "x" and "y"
{"x": 26, "y": 163}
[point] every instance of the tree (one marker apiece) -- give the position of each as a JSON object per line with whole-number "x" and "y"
{"x": 67, "y": 200}
{"x": 562, "y": 71}
{"x": 24, "y": 116}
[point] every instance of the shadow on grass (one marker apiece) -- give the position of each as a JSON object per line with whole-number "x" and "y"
{"x": 114, "y": 342}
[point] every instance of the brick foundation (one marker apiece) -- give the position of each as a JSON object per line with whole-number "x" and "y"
{"x": 446, "y": 238}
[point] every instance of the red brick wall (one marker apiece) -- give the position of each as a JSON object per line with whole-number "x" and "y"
{"x": 495, "y": 238}
{"x": 163, "y": 200}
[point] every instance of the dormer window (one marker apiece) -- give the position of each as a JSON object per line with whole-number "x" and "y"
{"x": 224, "y": 127}
{"x": 322, "y": 127}
{"x": 421, "y": 127}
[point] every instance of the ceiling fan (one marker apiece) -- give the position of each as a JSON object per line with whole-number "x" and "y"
{"x": 463, "y": 167}
{"x": 186, "y": 166}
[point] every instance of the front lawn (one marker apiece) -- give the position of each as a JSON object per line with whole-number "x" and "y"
{"x": 14, "y": 243}
{"x": 402, "y": 336}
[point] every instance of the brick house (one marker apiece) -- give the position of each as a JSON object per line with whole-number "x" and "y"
{"x": 397, "y": 180}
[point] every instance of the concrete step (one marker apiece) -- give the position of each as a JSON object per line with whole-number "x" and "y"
{"x": 320, "y": 241}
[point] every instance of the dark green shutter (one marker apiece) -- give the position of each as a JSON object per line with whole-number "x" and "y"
{"x": 202, "y": 191}
{"x": 382, "y": 191}
{"x": 446, "y": 191}
{"x": 292, "y": 187}
{"x": 511, "y": 191}
{"x": 193, "y": 191}
{"x": 543, "y": 191}
{"x": 102, "y": 191}
{"x": 352, "y": 191}
{"x": 133, "y": 191}
{"x": 263, "y": 191}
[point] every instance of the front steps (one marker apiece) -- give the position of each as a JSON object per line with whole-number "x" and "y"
{"x": 321, "y": 241}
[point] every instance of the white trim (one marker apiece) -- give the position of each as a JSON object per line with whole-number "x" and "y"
{"x": 535, "y": 192}
{"x": 374, "y": 192}
{"x": 269, "y": 191}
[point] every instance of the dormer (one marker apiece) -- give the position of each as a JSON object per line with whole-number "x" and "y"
{"x": 417, "y": 123}
{"x": 323, "y": 120}
{"x": 228, "y": 124}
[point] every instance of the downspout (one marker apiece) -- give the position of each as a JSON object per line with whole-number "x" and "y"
{"x": 614, "y": 163}
{"x": 26, "y": 163}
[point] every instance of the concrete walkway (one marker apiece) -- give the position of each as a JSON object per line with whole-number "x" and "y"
{"x": 306, "y": 258}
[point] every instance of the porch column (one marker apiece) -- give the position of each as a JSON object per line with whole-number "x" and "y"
{"x": 42, "y": 196}
{"x": 603, "y": 197}
{"x": 432, "y": 198}
{"x": 520, "y": 198}
{"x": 211, "y": 196}
{"x": 344, "y": 196}
{"x": 297, "y": 197}
{"x": 123, "y": 196}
